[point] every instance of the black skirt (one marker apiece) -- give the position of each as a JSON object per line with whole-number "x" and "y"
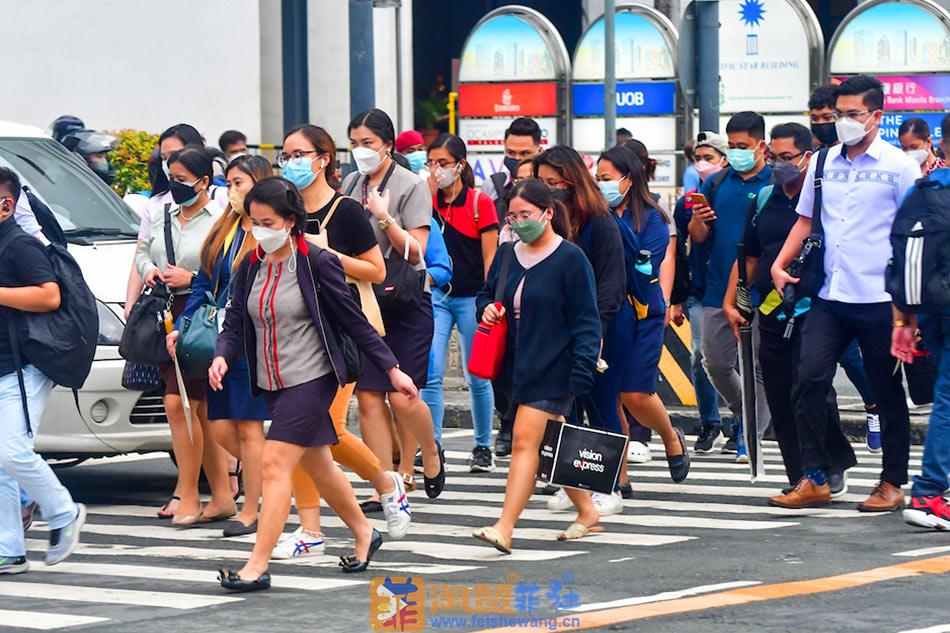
{"x": 301, "y": 414}
{"x": 409, "y": 336}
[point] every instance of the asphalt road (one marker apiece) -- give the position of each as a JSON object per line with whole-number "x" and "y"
{"x": 705, "y": 555}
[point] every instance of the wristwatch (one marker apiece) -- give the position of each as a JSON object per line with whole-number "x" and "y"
{"x": 384, "y": 224}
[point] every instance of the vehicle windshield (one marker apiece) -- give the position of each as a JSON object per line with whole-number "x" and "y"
{"x": 85, "y": 207}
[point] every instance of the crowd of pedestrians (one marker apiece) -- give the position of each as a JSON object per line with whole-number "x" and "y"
{"x": 324, "y": 288}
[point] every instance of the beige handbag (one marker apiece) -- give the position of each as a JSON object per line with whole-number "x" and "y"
{"x": 365, "y": 289}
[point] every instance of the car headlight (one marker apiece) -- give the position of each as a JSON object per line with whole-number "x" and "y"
{"x": 110, "y": 326}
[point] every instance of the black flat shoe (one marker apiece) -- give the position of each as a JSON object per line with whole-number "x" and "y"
{"x": 231, "y": 581}
{"x": 626, "y": 491}
{"x": 236, "y": 528}
{"x": 371, "y": 506}
{"x": 435, "y": 485}
{"x": 679, "y": 464}
{"x": 351, "y": 564}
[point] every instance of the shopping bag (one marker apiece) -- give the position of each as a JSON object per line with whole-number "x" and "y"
{"x": 580, "y": 457}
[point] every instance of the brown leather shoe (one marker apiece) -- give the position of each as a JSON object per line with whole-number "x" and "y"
{"x": 885, "y": 497}
{"x": 806, "y": 494}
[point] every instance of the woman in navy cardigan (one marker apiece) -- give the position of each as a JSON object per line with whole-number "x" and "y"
{"x": 549, "y": 297}
{"x": 293, "y": 315}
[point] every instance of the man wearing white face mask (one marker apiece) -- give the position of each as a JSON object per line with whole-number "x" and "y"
{"x": 863, "y": 182}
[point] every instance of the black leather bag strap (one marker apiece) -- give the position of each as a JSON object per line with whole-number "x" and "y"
{"x": 169, "y": 246}
{"x": 816, "y": 209}
{"x": 505, "y": 264}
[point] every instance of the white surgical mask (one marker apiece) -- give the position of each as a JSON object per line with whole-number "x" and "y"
{"x": 367, "y": 159}
{"x": 446, "y": 176}
{"x": 920, "y": 156}
{"x": 851, "y": 132}
{"x": 271, "y": 240}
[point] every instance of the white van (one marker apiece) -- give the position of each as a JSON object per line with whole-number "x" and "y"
{"x": 101, "y": 230}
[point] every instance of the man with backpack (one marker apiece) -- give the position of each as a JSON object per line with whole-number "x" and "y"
{"x": 846, "y": 209}
{"x": 931, "y": 197}
{"x": 28, "y": 284}
{"x": 718, "y": 219}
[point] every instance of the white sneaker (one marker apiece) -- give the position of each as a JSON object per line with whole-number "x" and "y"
{"x": 396, "y": 509}
{"x": 638, "y": 453}
{"x": 607, "y": 504}
{"x": 298, "y": 544}
{"x": 560, "y": 501}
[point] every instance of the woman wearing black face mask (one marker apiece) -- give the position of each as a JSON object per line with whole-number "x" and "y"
{"x": 192, "y": 215}
{"x": 562, "y": 169}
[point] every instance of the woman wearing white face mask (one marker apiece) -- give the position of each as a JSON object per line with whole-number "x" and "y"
{"x": 914, "y": 135}
{"x": 295, "y": 316}
{"x": 400, "y": 209}
{"x": 470, "y": 225}
{"x": 192, "y": 214}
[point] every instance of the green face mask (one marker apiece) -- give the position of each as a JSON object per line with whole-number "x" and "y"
{"x": 528, "y": 231}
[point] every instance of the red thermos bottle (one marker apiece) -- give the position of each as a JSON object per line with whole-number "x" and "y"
{"x": 488, "y": 349}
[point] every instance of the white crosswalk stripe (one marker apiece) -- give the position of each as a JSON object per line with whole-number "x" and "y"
{"x": 161, "y": 566}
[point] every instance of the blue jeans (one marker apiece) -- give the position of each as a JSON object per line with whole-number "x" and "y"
{"x": 707, "y": 400}
{"x": 935, "y": 468}
{"x": 449, "y": 312}
{"x": 21, "y": 467}
{"x": 853, "y": 366}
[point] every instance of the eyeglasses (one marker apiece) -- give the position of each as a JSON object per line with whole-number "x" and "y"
{"x": 771, "y": 159}
{"x": 511, "y": 218}
{"x": 851, "y": 114}
{"x": 283, "y": 159}
{"x": 432, "y": 164}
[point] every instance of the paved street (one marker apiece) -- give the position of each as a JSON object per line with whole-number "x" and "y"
{"x": 712, "y": 537}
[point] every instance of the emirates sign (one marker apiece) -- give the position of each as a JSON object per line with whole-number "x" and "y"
{"x": 508, "y": 100}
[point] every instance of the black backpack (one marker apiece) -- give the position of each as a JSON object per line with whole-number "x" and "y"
{"x": 47, "y": 221}
{"x": 918, "y": 274}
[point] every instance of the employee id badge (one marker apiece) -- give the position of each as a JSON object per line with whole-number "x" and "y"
{"x": 221, "y": 314}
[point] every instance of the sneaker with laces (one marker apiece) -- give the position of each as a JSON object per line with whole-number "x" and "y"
{"x": 481, "y": 460}
{"x": 560, "y": 501}
{"x": 26, "y": 513}
{"x": 742, "y": 455}
{"x": 838, "y": 484}
{"x": 64, "y": 540}
{"x": 707, "y": 438}
{"x": 298, "y": 544}
{"x": 607, "y": 504}
{"x": 932, "y": 513}
{"x": 14, "y": 565}
{"x": 638, "y": 453}
{"x": 874, "y": 432}
{"x": 396, "y": 508}
{"x": 731, "y": 446}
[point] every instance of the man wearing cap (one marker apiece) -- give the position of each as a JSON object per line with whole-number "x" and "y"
{"x": 709, "y": 158}
{"x": 411, "y": 145}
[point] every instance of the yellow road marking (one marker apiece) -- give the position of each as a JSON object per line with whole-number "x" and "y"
{"x": 746, "y": 595}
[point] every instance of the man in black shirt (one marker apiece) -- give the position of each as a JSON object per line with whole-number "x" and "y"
{"x": 522, "y": 140}
{"x": 771, "y": 217}
{"x": 27, "y": 284}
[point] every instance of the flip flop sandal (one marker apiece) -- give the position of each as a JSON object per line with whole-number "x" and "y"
{"x": 163, "y": 513}
{"x": 578, "y": 530}
{"x": 493, "y": 537}
{"x": 409, "y": 481}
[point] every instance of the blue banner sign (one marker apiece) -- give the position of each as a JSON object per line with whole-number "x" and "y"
{"x": 645, "y": 98}
{"x": 891, "y": 123}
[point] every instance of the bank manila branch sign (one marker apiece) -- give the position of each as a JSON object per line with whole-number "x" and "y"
{"x": 763, "y": 57}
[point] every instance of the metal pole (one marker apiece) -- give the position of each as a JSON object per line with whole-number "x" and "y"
{"x": 362, "y": 72}
{"x": 293, "y": 26}
{"x": 707, "y": 63}
{"x": 610, "y": 76}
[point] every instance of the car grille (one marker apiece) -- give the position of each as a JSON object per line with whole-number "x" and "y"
{"x": 149, "y": 409}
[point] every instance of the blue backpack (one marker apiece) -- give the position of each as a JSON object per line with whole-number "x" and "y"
{"x": 438, "y": 262}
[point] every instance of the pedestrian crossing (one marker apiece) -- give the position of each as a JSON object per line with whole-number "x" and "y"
{"x": 130, "y": 562}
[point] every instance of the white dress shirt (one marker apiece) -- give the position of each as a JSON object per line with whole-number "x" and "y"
{"x": 859, "y": 201}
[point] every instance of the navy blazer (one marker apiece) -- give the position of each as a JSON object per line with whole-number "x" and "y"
{"x": 553, "y": 352}
{"x": 312, "y": 263}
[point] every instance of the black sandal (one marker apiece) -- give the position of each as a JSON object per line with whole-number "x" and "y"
{"x": 352, "y": 565}
{"x": 435, "y": 485}
{"x": 231, "y": 581}
{"x": 170, "y": 515}
{"x": 237, "y": 475}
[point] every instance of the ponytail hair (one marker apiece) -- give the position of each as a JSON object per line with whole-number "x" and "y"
{"x": 535, "y": 192}
{"x": 455, "y": 146}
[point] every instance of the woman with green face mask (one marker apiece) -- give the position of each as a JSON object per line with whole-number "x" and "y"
{"x": 550, "y": 303}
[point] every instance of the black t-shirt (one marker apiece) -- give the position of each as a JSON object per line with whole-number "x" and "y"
{"x": 463, "y": 237}
{"x": 349, "y": 231}
{"x": 765, "y": 234}
{"x": 23, "y": 262}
